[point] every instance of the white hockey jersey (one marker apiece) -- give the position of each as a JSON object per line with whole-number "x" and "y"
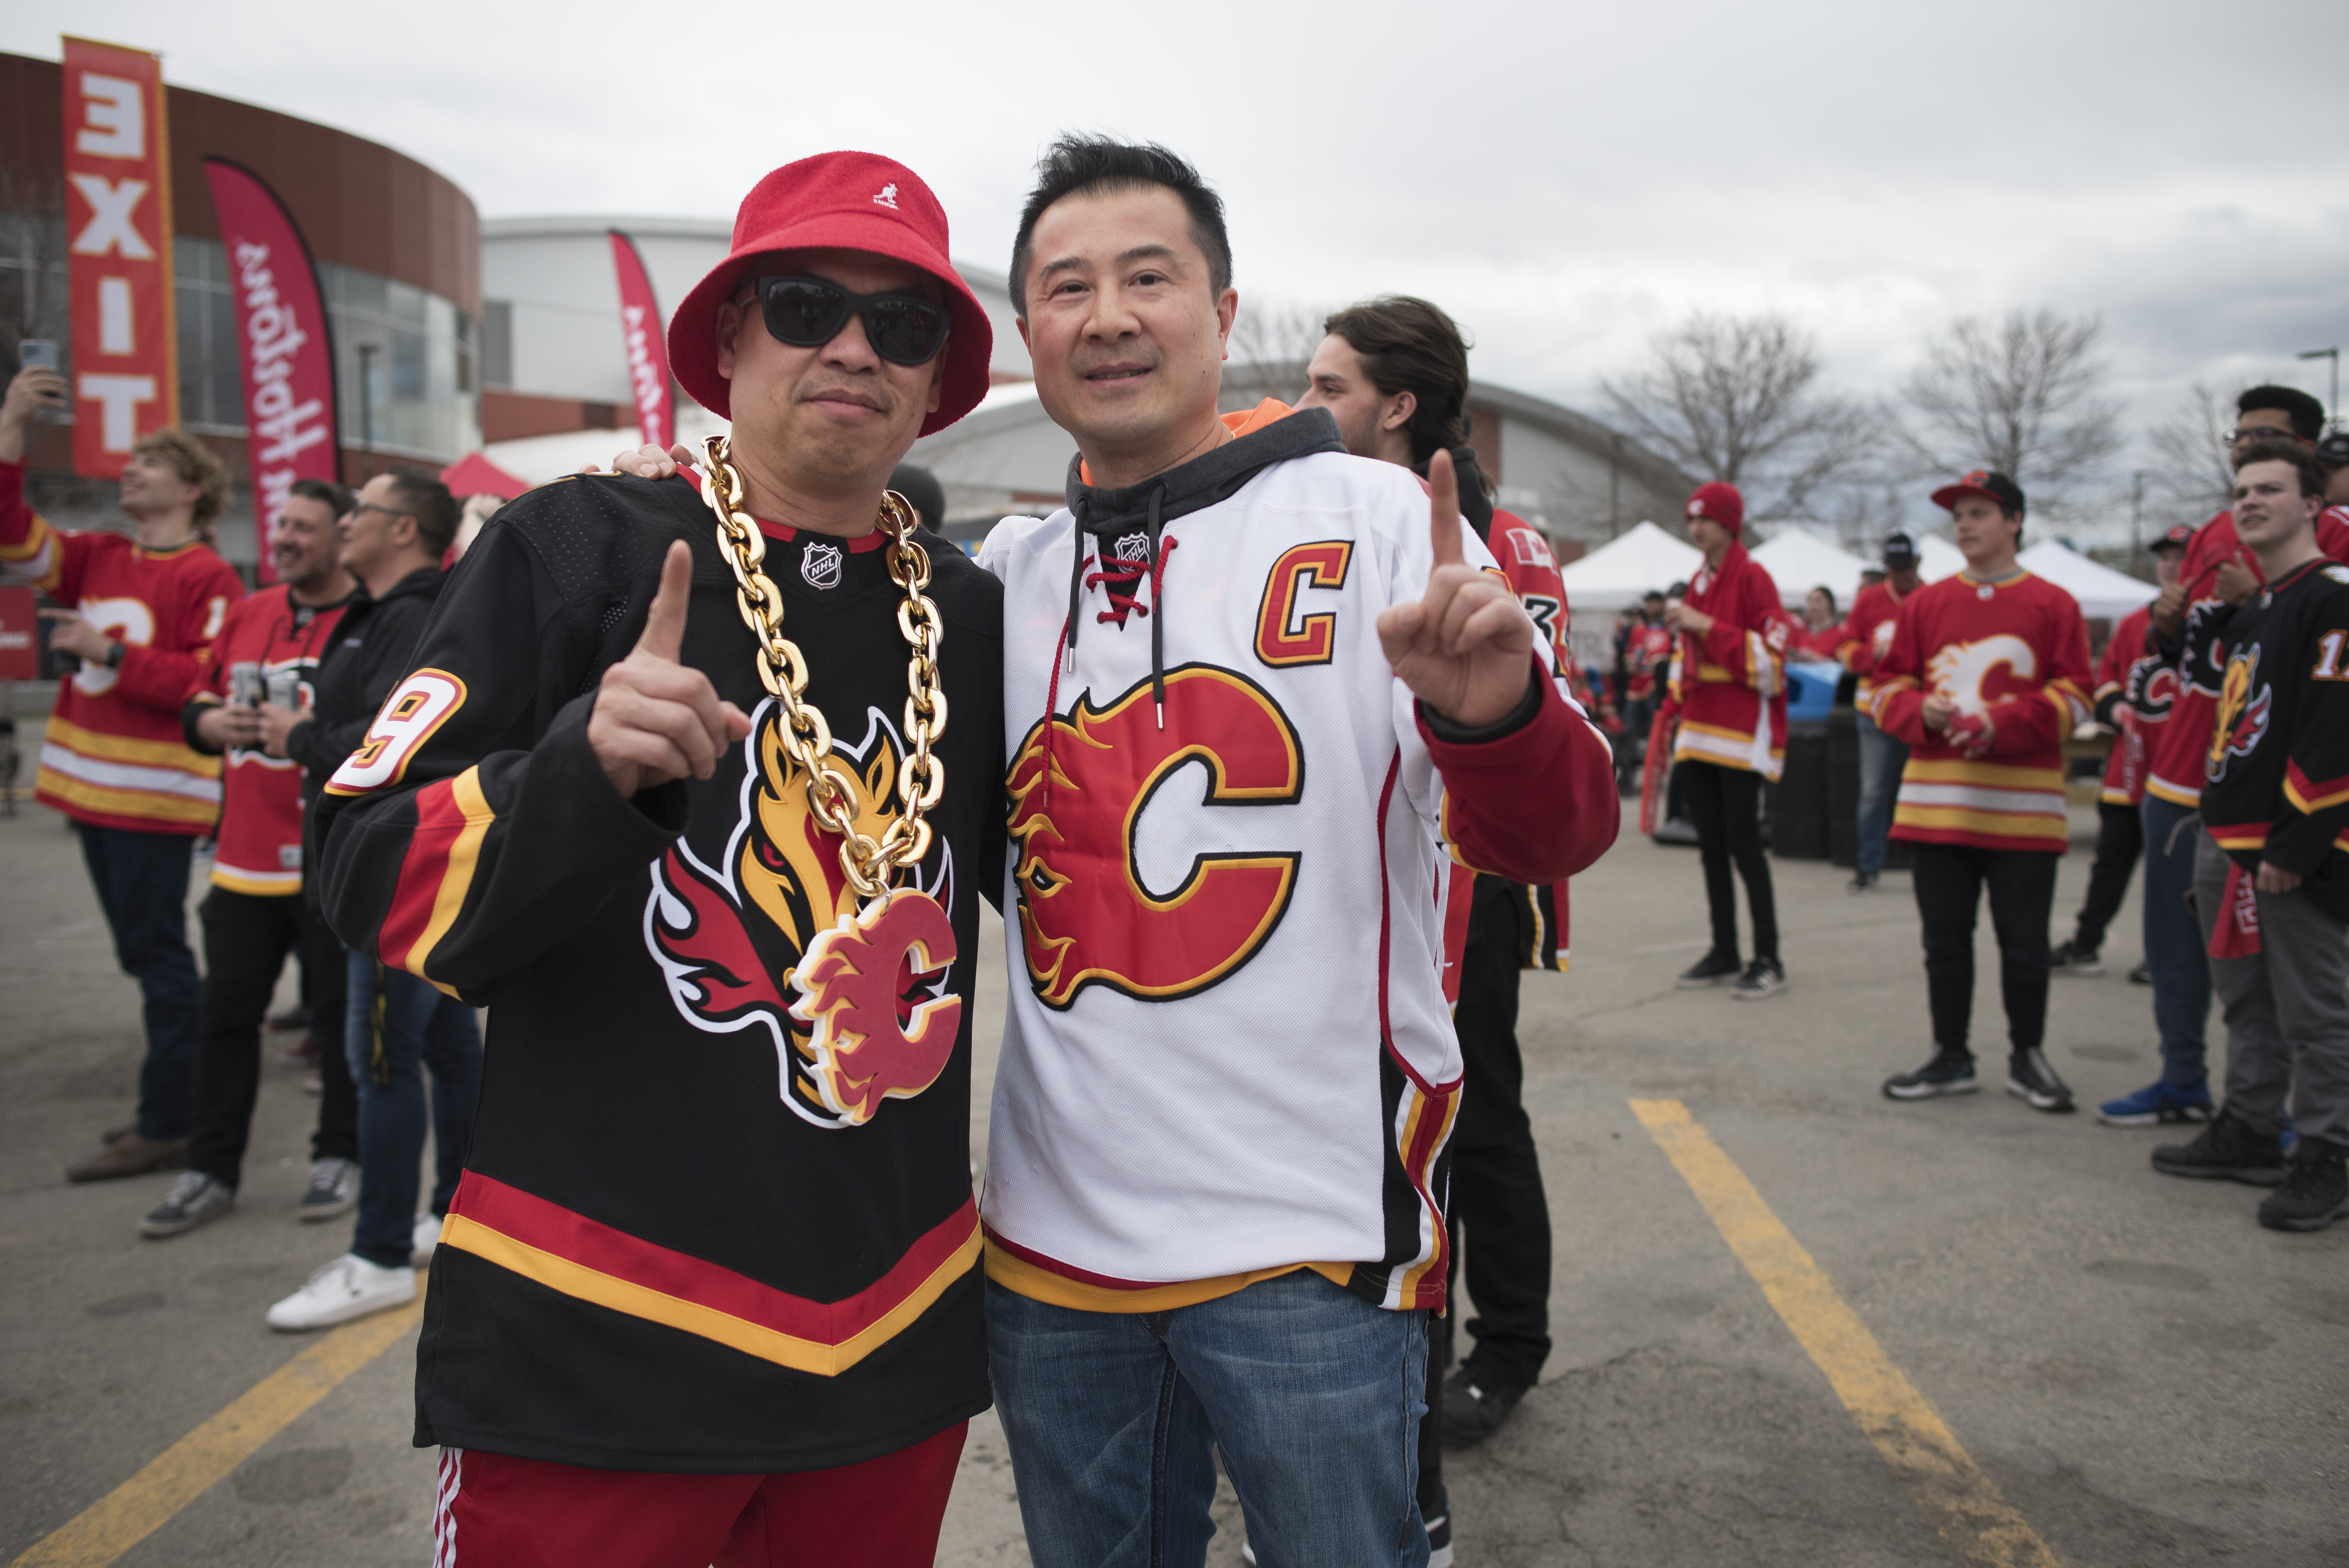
{"x": 1227, "y": 1053}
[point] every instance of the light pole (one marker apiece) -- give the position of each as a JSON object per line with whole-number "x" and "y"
{"x": 2332, "y": 404}
{"x": 1615, "y": 486}
{"x": 366, "y": 410}
{"x": 2136, "y": 517}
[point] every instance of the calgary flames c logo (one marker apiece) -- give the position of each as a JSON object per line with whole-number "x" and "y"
{"x": 2243, "y": 706}
{"x": 875, "y": 1022}
{"x": 1086, "y": 916}
{"x": 1958, "y": 671}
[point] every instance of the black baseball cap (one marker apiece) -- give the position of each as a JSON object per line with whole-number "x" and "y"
{"x": 1987, "y": 483}
{"x": 2177, "y": 536}
{"x": 2334, "y": 450}
{"x": 1900, "y": 550}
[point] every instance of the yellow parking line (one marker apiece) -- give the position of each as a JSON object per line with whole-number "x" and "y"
{"x": 1964, "y": 1505}
{"x": 182, "y": 1473}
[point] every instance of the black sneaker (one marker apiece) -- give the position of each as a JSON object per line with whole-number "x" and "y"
{"x": 2230, "y": 1149}
{"x": 2141, "y": 975}
{"x": 2071, "y": 958}
{"x": 2030, "y": 1079}
{"x": 1763, "y": 977}
{"x": 1475, "y": 1405}
{"x": 1861, "y": 882}
{"x": 193, "y": 1199}
{"x": 1950, "y": 1072}
{"x": 334, "y": 1189}
{"x": 1709, "y": 970}
{"x": 2315, "y": 1190}
{"x": 1439, "y": 1533}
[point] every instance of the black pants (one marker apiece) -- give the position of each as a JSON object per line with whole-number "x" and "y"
{"x": 1949, "y": 881}
{"x": 142, "y": 886}
{"x": 246, "y": 939}
{"x": 1497, "y": 1197}
{"x": 2120, "y": 839}
{"x": 1725, "y": 806}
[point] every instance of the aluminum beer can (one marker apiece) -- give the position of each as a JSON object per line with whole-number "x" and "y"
{"x": 285, "y": 689}
{"x": 245, "y": 684}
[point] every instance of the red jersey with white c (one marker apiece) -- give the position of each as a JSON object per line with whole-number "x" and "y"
{"x": 1867, "y": 637}
{"x": 2125, "y": 668}
{"x": 113, "y": 754}
{"x": 2014, "y": 653}
{"x": 260, "y": 849}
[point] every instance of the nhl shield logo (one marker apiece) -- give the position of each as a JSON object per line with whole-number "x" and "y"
{"x": 820, "y": 564}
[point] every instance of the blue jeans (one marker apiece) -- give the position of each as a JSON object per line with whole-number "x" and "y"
{"x": 1881, "y": 759}
{"x": 1312, "y": 1395}
{"x": 142, "y": 886}
{"x": 399, "y": 1026}
{"x": 2174, "y": 950}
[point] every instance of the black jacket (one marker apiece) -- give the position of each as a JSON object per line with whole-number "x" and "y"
{"x": 692, "y": 1237}
{"x": 370, "y": 652}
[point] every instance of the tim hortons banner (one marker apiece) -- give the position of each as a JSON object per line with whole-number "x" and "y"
{"x": 118, "y": 218}
{"x": 643, "y": 333}
{"x": 288, "y": 357}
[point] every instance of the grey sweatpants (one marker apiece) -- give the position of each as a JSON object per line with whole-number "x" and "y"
{"x": 2287, "y": 1009}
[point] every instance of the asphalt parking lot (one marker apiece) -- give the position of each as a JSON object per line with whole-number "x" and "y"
{"x": 2131, "y": 1371}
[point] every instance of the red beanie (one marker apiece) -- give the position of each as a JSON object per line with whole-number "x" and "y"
{"x": 1721, "y": 504}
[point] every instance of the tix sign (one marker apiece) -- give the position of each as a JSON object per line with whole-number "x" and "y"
{"x": 118, "y": 171}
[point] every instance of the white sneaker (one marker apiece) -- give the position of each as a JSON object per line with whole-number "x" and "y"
{"x": 347, "y": 1289}
{"x": 428, "y": 1236}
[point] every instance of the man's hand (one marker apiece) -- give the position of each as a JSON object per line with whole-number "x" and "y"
{"x": 655, "y": 719}
{"x": 2235, "y": 582}
{"x": 649, "y": 462}
{"x": 35, "y": 387}
{"x": 274, "y": 724}
{"x": 1939, "y": 711}
{"x": 2168, "y": 615}
{"x": 229, "y": 727}
{"x": 1687, "y": 618}
{"x": 1463, "y": 648}
{"x": 72, "y": 634}
{"x": 2276, "y": 879}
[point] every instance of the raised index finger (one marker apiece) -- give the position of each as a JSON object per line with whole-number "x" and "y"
{"x": 1443, "y": 510}
{"x": 665, "y": 623}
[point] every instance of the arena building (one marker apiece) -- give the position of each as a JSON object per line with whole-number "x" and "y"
{"x": 399, "y": 251}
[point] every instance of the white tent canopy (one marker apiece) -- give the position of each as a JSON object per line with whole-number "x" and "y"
{"x": 1644, "y": 559}
{"x": 2101, "y": 591}
{"x": 1937, "y": 558}
{"x": 1799, "y": 561}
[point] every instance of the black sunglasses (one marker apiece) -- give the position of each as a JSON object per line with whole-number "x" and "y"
{"x": 808, "y": 313}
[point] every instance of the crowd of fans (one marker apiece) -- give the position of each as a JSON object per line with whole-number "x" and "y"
{"x": 204, "y": 710}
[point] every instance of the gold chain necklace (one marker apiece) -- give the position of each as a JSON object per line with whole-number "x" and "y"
{"x": 869, "y": 864}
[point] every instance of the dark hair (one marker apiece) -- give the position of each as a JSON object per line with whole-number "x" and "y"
{"x": 1652, "y": 593}
{"x": 923, "y": 493}
{"x": 424, "y": 498}
{"x": 1823, "y": 588}
{"x": 1409, "y": 346}
{"x": 2276, "y": 450}
{"x": 333, "y": 495}
{"x": 1080, "y": 165}
{"x": 2307, "y": 415}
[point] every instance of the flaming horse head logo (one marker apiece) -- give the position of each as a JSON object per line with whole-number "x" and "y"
{"x": 1079, "y": 788}
{"x": 2243, "y": 707}
{"x": 875, "y": 1021}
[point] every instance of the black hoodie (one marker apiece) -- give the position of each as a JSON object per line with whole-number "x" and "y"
{"x": 366, "y": 658}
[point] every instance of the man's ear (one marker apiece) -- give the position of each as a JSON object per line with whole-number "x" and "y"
{"x": 1406, "y": 404}
{"x": 1227, "y": 310}
{"x": 728, "y": 328}
{"x": 1026, "y": 341}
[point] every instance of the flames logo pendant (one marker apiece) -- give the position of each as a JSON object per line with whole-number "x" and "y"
{"x": 857, "y": 1048}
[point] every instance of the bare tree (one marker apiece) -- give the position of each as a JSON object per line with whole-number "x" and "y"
{"x": 2021, "y": 395}
{"x": 1738, "y": 398}
{"x": 2190, "y": 476}
{"x": 1271, "y": 344}
{"x": 32, "y": 259}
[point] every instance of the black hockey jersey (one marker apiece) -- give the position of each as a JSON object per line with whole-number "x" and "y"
{"x": 690, "y": 1237}
{"x": 2276, "y": 779}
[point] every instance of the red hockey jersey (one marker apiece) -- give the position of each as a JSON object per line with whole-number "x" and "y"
{"x": 1526, "y": 562}
{"x": 1868, "y": 636}
{"x": 2125, "y": 665}
{"x": 260, "y": 849}
{"x": 1731, "y": 684}
{"x": 2014, "y": 654}
{"x": 113, "y": 754}
{"x": 2174, "y": 766}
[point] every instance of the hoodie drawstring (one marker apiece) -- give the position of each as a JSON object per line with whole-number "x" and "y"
{"x": 1117, "y": 580}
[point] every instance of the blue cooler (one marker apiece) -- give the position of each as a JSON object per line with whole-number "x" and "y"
{"x": 1810, "y": 690}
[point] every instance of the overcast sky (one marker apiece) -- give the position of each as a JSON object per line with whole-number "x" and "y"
{"x": 1566, "y": 179}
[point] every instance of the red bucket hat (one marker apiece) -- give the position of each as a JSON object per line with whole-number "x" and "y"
{"x": 837, "y": 201}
